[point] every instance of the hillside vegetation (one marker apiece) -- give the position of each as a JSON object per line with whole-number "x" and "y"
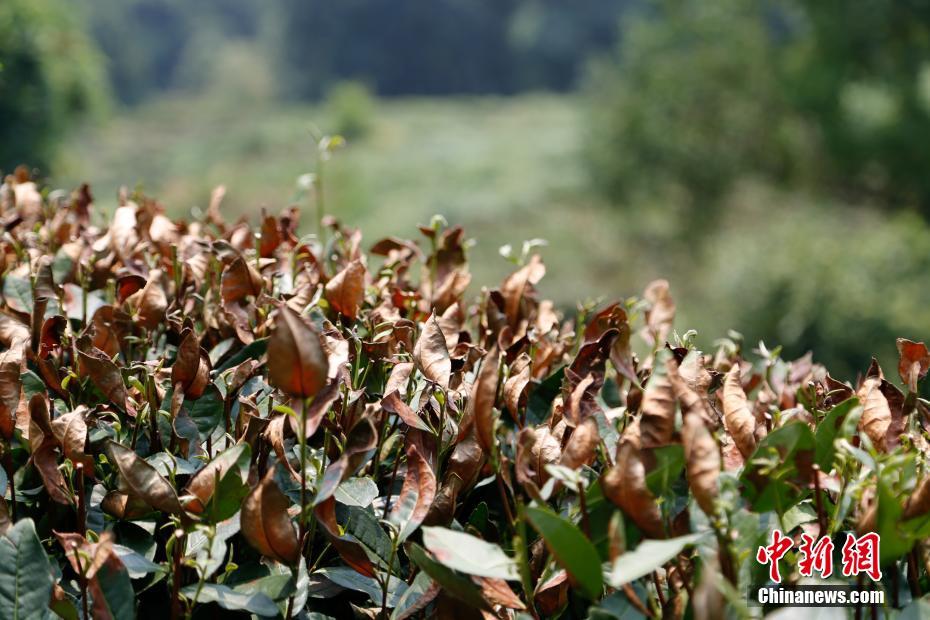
{"x": 206, "y": 414}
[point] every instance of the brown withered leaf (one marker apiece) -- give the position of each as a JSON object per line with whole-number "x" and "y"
{"x": 737, "y": 416}
{"x": 625, "y": 485}
{"x": 275, "y": 436}
{"x": 392, "y": 403}
{"x": 431, "y": 355}
{"x": 657, "y": 424}
{"x": 498, "y": 592}
{"x": 913, "y": 362}
{"x": 483, "y": 397}
{"x": 689, "y": 399}
{"x": 191, "y": 368}
{"x": 399, "y": 378}
{"x": 360, "y": 444}
{"x": 143, "y": 480}
{"x": 614, "y": 317}
{"x": 582, "y": 445}
{"x": 239, "y": 281}
{"x": 148, "y": 305}
{"x": 109, "y": 326}
{"x": 271, "y": 236}
{"x": 552, "y": 594}
{"x": 11, "y": 387}
{"x": 702, "y": 461}
{"x": 345, "y": 292}
{"x": 661, "y": 314}
{"x": 266, "y": 525}
{"x": 348, "y": 548}
{"x": 86, "y": 558}
{"x": 70, "y": 432}
{"x": 581, "y": 401}
{"x": 297, "y": 363}
{"x": 416, "y": 494}
{"x": 104, "y": 374}
{"x": 516, "y": 284}
{"x": 876, "y": 413}
{"x": 516, "y": 383}
{"x": 13, "y": 331}
{"x": 124, "y": 233}
{"x": 202, "y": 485}
{"x": 44, "y": 450}
{"x": 316, "y": 412}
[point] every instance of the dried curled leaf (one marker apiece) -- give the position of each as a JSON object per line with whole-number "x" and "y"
{"x": 345, "y": 292}
{"x": 297, "y": 363}
{"x": 416, "y": 495}
{"x": 431, "y": 354}
{"x": 702, "y": 462}
{"x": 657, "y": 424}
{"x": 143, "y": 481}
{"x": 913, "y": 362}
{"x": 581, "y": 448}
{"x": 484, "y": 395}
{"x": 625, "y": 485}
{"x": 876, "y": 413}
{"x": 737, "y": 416}
{"x": 266, "y": 524}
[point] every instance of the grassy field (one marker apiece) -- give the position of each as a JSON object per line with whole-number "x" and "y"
{"x": 498, "y": 166}
{"x": 509, "y": 170}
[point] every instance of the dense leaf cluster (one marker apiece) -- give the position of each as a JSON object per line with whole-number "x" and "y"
{"x": 200, "y": 416}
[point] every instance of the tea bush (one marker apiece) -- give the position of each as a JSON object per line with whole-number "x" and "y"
{"x": 202, "y": 416}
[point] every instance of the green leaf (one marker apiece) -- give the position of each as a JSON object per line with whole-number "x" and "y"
{"x": 917, "y": 610}
{"x": 227, "y": 598}
{"x": 540, "y": 400}
{"x": 468, "y": 554}
{"x": 774, "y": 476}
{"x": 894, "y": 542}
{"x": 648, "y": 556}
{"x": 277, "y": 587}
{"x": 18, "y": 293}
{"x": 349, "y": 578}
{"x": 458, "y": 586}
{"x": 364, "y": 527}
{"x": 137, "y": 565}
{"x": 802, "y": 513}
{"x": 206, "y": 411}
{"x": 571, "y": 549}
{"x": 25, "y": 574}
{"x": 253, "y": 351}
{"x": 359, "y": 491}
{"x": 827, "y": 431}
{"x": 670, "y": 461}
{"x": 116, "y": 587}
{"x": 412, "y": 596}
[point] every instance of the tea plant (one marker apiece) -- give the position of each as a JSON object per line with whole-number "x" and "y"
{"x": 202, "y": 417}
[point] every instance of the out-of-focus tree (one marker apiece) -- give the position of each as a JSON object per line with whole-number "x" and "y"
{"x": 692, "y": 102}
{"x": 441, "y": 47}
{"x": 553, "y": 39}
{"x": 50, "y": 75}
{"x": 828, "y": 95}
{"x": 863, "y": 75}
{"x": 152, "y": 46}
{"x": 422, "y": 47}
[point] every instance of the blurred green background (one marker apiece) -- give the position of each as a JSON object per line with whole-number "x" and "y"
{"x": 769, "y": 158}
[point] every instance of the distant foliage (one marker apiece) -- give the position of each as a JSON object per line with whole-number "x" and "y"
{"x": 693, "y": 102}
{"x": 50, "y": 75}
{"x": 201, "y": 417}
{"x": 351, "y": 109}
{"x": 813, "y": 94}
